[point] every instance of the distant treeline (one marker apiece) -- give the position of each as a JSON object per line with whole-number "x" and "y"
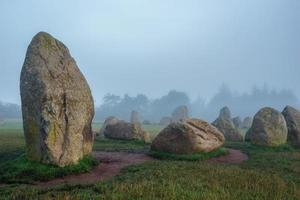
{"x": 9, "y": 111}
{"x": 243, "y": 105}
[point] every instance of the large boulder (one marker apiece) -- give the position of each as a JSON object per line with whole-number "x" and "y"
{"x": 237, "y": 121}
{"x": 268, "y": 128}
{"x": 180, "y": 113}
{"x": 164, "y": 121}
{"x": 57, "y": 104}
{"x": 225, "y": 124}
{"x": 134, "y": 117}
{"x": 108, "y": 121}
{"x": 120, "y": 129}
{"x": 292, "y": 118}
{"x": 188, "y": 136}
{"x": 247, "y": 122}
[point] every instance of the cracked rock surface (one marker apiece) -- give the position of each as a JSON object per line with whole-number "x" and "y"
{"x": 57, "y": 104}
{"x": 188, "y": 136}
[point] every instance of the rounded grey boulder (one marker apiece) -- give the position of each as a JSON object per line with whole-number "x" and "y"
{"x": 292, "y": 118}
{"x": 57, "y": 104}
{"x": 109, "y": 121}
{"x": 268, "y": 128}
{"x": 115, "y": 128}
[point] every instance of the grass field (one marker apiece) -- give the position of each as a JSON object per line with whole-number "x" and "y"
{"x": 270, "y": 173}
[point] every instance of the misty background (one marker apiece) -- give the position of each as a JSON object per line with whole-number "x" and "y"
{"x": 153, "y": 55}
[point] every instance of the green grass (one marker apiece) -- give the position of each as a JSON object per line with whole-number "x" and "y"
{"x": 15, "y": 168}
{"x": 283, "y": 160}
{"x": 153, "y": 129}
{"x": 21, "y": 170}
{"x": 105, "y": 144}
{"x": 270, "y": 173}
{"x": 12, "y": 141}
{"x": 12, "y": 124}
{"x": 188, "y": 157}
{"x": 97, "y": 126}
{"x": 173, "y": 180}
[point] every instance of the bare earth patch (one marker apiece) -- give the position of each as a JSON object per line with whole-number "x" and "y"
{"x": 111, "y": 165}
{"x": 233, "y": 157}
{"x": 113, "y": 162}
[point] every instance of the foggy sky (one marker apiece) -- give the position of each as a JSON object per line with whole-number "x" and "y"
{"x": 152, "y": 46}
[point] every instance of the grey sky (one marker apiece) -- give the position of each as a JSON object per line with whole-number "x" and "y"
{"x": 152, "y": 46}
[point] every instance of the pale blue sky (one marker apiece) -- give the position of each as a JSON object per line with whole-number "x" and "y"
{"x": 152, "y": 46}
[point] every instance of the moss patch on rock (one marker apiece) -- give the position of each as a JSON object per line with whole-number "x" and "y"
{"x": 31, "y": 140}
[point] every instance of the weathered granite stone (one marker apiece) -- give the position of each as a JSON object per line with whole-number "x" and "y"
{"x": 57, "y": 104}
{"x": 268, "y": 128}
{"x": 292, "y": 118}
{"x": 134, "y": 118}
{"x": 115, "y": 128}
{"x": 188, "y": 136}
{"x": 225, "y": 125}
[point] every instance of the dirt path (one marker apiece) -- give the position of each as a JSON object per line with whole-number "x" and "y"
{"x": 233, "y": 157}
{"x": 113, "y": 162}
{"x": 111, "y": 165}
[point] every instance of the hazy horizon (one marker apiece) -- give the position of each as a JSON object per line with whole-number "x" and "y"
{"x": 152, "y": 47}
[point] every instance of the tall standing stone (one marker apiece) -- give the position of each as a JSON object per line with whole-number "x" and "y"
{"x": 247, "y": 122}
{"x": 225, "y": 124}
{"x": 237, "y": 121}
{"x": 292, "y": 118}
{"x": 180, "y": 113}
{"x": 134, "y": 117}
{"x": 57, "y": 104}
